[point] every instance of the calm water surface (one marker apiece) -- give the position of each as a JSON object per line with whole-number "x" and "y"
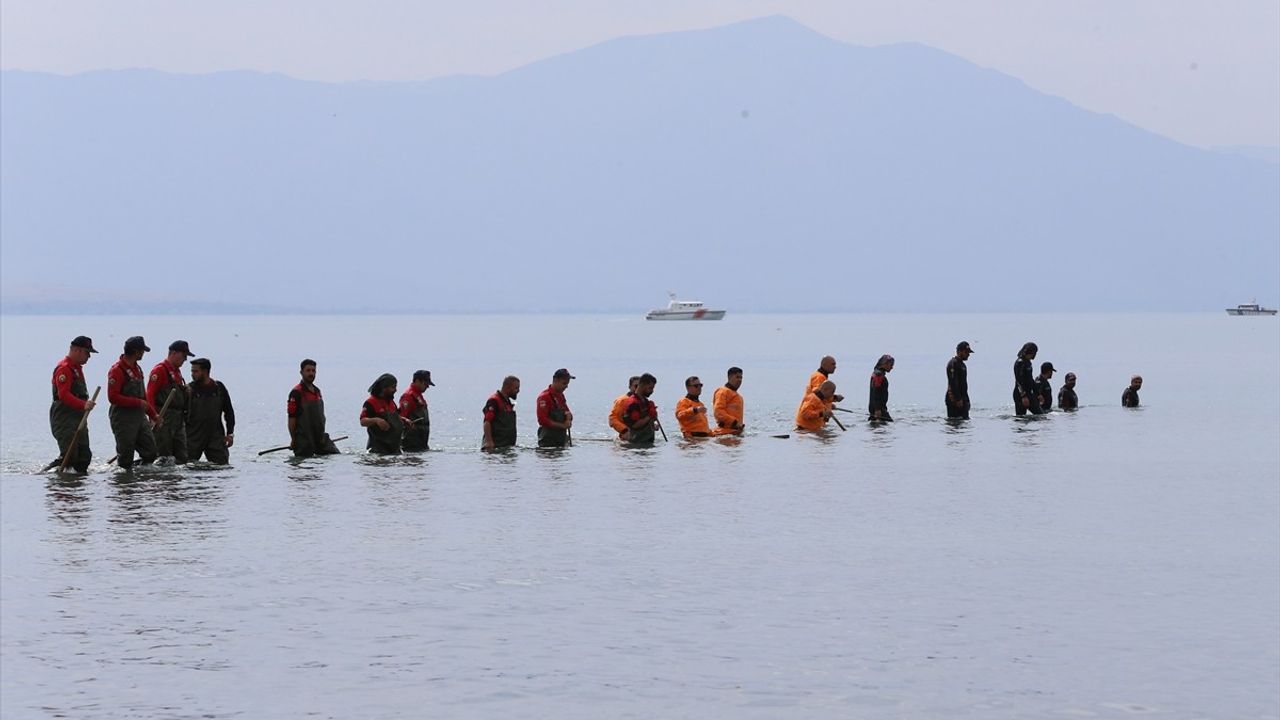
{"x": 1107, "y": 563}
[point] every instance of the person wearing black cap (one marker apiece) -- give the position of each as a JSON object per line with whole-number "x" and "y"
{"x": 554, "y": 416}
{"x": 1067, "y": 399}
{"x": 380, "y": 416}
{"x": 878, "y": 404}
{"x": 1044, "y": 391}
{"x": 1024, "y": 383}
{"x": 305, "y": 409}
{"x": 131, "y": 414}
{"x": 413, "y": 408}
{"x": 1130, "y": 397}
{"x": 208, "y": 403}
{"x": 500, "y": 416}
{"x": 165, "y": 380}
{"x": 70, "y": 403}
{"x": 957, "y": 399}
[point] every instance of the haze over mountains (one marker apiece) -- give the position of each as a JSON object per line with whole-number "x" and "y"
{"x": 759, "y": 166}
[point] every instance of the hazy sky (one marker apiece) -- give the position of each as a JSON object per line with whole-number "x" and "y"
{"x": 1205, "y": 73}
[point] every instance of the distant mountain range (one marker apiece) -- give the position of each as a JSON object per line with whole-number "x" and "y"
{"x": 759, "y": 166}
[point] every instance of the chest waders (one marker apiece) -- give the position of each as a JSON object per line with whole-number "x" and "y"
{"x": 63, "y": 421}
{"x": 205, "y": 434}
{"x": 552, "y": 436}
{"x": 171, "y": 436}
{"x": 417, "y": 435}
{"x": 386, "y": 442}
{"x": 131, "y": 426}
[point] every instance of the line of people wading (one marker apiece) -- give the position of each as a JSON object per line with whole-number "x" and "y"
{"x": 162, "y": 415}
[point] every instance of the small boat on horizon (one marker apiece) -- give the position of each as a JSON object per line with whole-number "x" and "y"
{"x": 1250, "y": 308}
{"x": 684, "y": 310}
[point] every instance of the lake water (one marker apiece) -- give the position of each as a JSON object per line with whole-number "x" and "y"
{"x": 1106, "y": 563}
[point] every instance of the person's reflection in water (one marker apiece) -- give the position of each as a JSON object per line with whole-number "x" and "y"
{"x": 68, "y": 500}
{"x": 166, "y": 507}
{"x": 958, "y": 432}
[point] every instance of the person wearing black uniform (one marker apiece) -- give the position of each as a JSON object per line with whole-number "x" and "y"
{"x": 1130, "y": 397}
{"x": 70, "y": 403}
{"x": 413, "y": 408}
{"x": 380, "y": 416}
{"x": 1024, "y": 383}
{"x": 208, "y": 403}
{"x": 1067, "y": 399}
{"x": 878, "y": 405}
{"x": 1044, "y": 391}
{"x": 957, "y": 398}
{"x": 305, "y": 408}
{"x": 500, "y": 416}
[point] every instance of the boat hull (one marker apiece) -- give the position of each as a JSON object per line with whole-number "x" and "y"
{"x": 700, "y": 314}
{"x": 1263, "y": 311}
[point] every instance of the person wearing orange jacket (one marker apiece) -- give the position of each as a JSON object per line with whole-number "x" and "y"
{"x": 690, "y": 412}
{"x": 815, "y": 410}
{"x": 825, "y": 367}
{"x": 616, "y": 419}
{"x": 131, "y": 415}
{"x": 726, "y": 404}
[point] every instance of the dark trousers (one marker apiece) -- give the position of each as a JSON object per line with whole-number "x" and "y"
{"x": 63, "y": 426}
{"x": 133, "y": 433}
{"x": 955, "y": 411}
{"x": 1035, "y": 408}
{"x": 171, "y": 437}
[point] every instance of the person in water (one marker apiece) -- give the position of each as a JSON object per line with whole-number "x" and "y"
{"x": 1067, "y": 399}
{"x": 1044, "y": 391}
{"x": 380, "y": 416}
{"x": 1024, "y": 382}
{"x": 957, "y": 398}
{"x": 878, "y": 405}
{"x": 1130, "y": 397}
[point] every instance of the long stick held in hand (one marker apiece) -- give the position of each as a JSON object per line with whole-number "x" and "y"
{"x": 75, "y": 439}
{"x": 286, "y": 447}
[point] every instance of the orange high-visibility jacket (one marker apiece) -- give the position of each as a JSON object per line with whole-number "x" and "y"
{"x": 615, "y": 415}
{"x": 809, "y": 414}
{"x": 692, "y": 416}
{"x": 726, "y": 405}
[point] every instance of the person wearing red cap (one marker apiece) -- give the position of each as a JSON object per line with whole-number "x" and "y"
{"x": 554, "y": 416}
{"x": 165, "y": 380}
{"x": 132, "y": 416}
{"x": 70, "y": 403}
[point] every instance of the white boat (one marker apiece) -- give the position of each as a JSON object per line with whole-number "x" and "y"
{"x": 684, "y": 310}
{"x": 1250, "y": 308}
